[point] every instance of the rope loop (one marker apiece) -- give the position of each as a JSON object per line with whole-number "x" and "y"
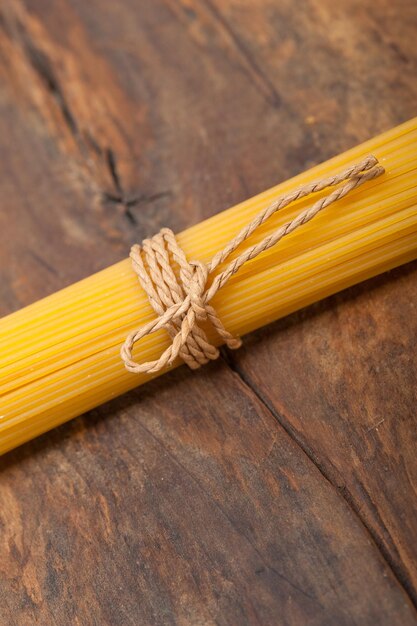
{"x": 177, "y": 288}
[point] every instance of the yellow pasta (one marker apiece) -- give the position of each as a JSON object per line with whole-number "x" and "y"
{"x": 60, "y": 356}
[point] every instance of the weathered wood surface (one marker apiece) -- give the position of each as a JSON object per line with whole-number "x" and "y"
{"x": 274, "y": 487}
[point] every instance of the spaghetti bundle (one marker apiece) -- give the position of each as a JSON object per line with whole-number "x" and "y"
{"x": 61, "y": 356}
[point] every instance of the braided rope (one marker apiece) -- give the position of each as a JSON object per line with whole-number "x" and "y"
{"x": 181, "y": 302}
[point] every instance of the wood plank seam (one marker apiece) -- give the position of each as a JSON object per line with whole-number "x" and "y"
{"x": 399, "y": 572}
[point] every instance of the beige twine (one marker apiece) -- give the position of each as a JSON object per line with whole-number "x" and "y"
{"x": 182, "y": 302}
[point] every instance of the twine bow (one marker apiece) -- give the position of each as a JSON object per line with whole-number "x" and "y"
{"x": 181, "y": 300}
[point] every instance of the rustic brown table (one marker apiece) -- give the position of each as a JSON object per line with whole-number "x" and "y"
{"x": 277, "y": 486}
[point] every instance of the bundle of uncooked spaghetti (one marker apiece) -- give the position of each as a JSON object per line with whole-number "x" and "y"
{"x": 61, "y": 356}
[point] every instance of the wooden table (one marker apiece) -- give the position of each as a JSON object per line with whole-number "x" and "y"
{"x": 277, "y": 486}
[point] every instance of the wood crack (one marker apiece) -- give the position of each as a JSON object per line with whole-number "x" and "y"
{"x": 38, "y": 60}
{"x": 43, "y": 67}
{"x": 399, "y": 573}
{"x": 239, "y": 52}
{"x": 248, "y": 63}
{"x": 121, "y": 198}
{"x": 77, "y": 113}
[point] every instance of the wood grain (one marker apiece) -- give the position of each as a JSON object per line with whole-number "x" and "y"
{"x": 278, "y": 485}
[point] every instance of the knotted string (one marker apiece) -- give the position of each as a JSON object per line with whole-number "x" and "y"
{"x": 181, "y": 300}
